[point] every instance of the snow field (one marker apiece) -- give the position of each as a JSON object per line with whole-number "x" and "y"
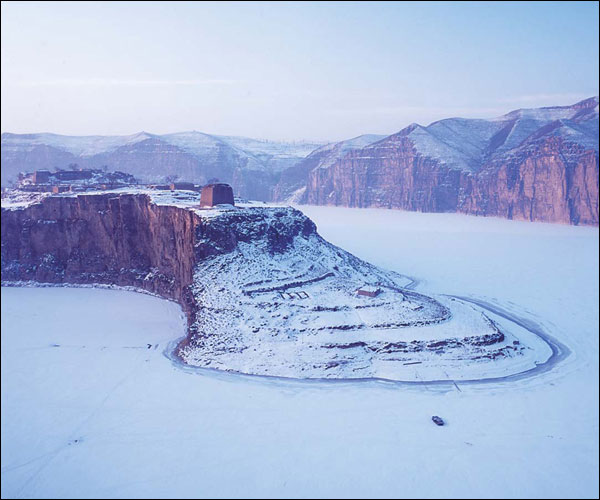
{"x": 117, "y": 419}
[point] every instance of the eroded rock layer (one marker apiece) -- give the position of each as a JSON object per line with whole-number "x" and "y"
{"x": 551, "y": 182}
{"x": 536, "y": 165}
{"x": 262, "y": 291}
{"x": 121, "y": 240}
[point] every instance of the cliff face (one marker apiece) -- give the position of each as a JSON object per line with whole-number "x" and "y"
{"x": 127, "y": 240}
{"x": 255, "y": 282}
{"x": 552, "y": 182}
{"x": 535, "y": 165}
{"x": 384, "y": 177}
{"x": 123, "y": 240}
{"x": 292, "y": 181}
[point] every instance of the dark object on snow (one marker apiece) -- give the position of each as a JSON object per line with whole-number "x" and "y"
{"x": 437, "y": 420}
{"x": 369, "y": 291}
{"x": 216, "y": 194}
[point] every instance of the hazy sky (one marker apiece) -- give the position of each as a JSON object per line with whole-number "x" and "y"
{"x": 287, "y": 70}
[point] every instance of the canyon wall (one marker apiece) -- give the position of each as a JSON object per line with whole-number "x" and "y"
{"x": 127, "y": 240}
{"x": 531, "y": 164}
{"x": 123, "y": 240}
{"x": 550, "y": 181}
{"x": 538, "y": 164}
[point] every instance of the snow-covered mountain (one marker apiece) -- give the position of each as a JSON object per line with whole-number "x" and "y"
{"x": 263, "y": 292}
{"x": 251, "y": 165}
{"x": 469, "y": 143}
{"x": 76, "y": 145}
{"x": 532, "y": 164}
{"x": 292, "y": 182}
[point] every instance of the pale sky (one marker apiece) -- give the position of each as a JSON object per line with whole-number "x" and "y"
{"x": 325, "y": 71}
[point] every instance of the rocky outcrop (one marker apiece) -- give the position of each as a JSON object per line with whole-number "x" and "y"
{"x": 127, "y": 240}
{"x": 262, "y": 291}
{"x": 292, "y": 180}
{"x": 551, "y": 182}
{"x": 535, "y": 165}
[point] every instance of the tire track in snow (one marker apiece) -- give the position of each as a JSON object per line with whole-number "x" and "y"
{"x": 560, "y": 351}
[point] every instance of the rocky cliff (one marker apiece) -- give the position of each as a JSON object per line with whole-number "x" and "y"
{"x": 262, "y": 291}
{"x": 129, "y": 240}
{"x": 292, "y": 181}
{"x": 530, "y": 164}
{"x": 123, "y": 240}
{"x": 536, "y": 165}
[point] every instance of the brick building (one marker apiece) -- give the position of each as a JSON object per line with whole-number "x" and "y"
{"x": 216, "y": 194}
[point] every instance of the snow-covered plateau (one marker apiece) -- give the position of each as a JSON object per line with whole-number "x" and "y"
{"x": 265, "y": 294}
{"x": 95, "y": 401}
{"x": 300, "y": 314}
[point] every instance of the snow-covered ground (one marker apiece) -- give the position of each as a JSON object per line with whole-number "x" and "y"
{"x": 92, "y": 407}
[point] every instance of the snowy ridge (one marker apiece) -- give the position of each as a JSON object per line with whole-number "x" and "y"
{"x": 77, "y": 145}
{"x": 257, "y": 152}
{"x": 467, "y": 143}
{"x": 337, "y": 150}
{"x": 268, "y": 148}
{"x": 292, "y": 310}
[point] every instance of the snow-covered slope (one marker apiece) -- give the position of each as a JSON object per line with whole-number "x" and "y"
{"x": 468, "y": 143}
{"x": 298, "y": 314}
{"x": 109, "y": 417}
{"x": 76, "y": 145}
{"x": 272, "y": 150}
{"x": 293, "y": 180}
{"x": 264, "y": 293}
{"x": 330, "y": 152}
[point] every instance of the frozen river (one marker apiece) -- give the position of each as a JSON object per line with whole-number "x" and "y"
{"x": 92, "y": 407}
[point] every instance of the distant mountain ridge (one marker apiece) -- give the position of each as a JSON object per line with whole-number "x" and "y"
{"x": 251, "y": 165}
{"x": 193, "y": 142}
{"x": 292, "y": 182}
{"x": 531, "y": 164}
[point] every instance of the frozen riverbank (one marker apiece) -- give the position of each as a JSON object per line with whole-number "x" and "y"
{"x": 91, "y": 407}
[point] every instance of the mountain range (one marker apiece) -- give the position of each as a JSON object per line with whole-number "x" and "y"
{"x": 532, "y": 164}
{"x": 252, "y": 166}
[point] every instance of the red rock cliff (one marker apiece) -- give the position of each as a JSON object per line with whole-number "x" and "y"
{"x": 531, "y": 164}
{"x": 123, "y": 240}
{"x": 127, "y": 240}
{"x": 551, "y": 180}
